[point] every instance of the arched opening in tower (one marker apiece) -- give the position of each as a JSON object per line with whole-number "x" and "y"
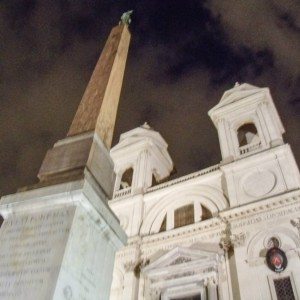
{"x": 247, "y": 134}
{"x": 126, "y": 180}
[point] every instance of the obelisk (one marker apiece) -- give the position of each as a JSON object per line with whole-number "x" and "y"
{"x": 58, "y": 238}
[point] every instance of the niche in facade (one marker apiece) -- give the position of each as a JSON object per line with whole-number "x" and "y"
{"x": 126, "y": 180}
{"x": 247, "y": 134}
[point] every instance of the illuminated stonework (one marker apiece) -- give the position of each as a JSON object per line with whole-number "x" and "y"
{"x": 238, "y": 206}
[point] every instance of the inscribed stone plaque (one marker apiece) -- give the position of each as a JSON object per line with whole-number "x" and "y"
{"x": 31, "y": 251}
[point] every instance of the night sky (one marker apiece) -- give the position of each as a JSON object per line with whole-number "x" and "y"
{"x": 183, "y": 56}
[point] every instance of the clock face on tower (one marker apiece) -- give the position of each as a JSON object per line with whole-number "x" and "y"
{"x": 276, "y": 259}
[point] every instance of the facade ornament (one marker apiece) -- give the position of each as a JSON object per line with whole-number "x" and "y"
{"x": 225, "y": 241}
{"x": 129, "y": 266}
{"x": 296, "y": 223}
{"x": 181, "y": 260}
{"x": 146, "y": 126}
{"x": 239, "y": 239}
{"x": 273, "y": 241}
{"x": 139, "y": 266}
{"x": 126, "y": 17}
{"x": 154, "y": 293}
{"x": 212, "y": 280}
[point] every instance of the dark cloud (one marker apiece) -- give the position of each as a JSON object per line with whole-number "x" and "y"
{"x": 183, "y": 56}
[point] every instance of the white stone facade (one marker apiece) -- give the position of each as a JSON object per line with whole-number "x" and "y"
{"x": 237, "y": 210}
{"x": 58, "y": 242}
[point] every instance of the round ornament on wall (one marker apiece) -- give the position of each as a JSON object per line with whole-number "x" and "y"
{"x": 259, "y": 183}
{"x": 276, "y": 260}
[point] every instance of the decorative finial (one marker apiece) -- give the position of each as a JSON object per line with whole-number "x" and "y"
{"x": 237, "y": 84}
{"x": 126, "y": 17}
{"x": 146, "y": 126}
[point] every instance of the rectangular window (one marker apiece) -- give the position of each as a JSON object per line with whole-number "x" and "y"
{"x": 284, "y": 289}
{"x": 184, "y": 215}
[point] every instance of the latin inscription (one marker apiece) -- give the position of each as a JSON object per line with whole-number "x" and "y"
{"x": 31, "y": 250}
{"x": 267, "y": 216}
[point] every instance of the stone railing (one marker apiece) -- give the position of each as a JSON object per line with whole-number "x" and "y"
{"x": 183, "y": 178}
{"x": 122, "y": 193}
{"x": 249, "y": 148}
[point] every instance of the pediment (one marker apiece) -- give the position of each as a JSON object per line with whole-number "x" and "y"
{"x": 237, "y": 93}
{"x": 139, "y": 136}
{"x": 181, "y": 255}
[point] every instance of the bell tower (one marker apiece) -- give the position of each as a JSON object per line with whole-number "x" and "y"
{"x": 58, "y": 238}
{"x": 247, "y": 122}
{"x": 140, "y": 158}
{"x": 256, "y": 163}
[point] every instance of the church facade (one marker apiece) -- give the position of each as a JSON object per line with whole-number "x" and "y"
{"x": 230, "y": 231}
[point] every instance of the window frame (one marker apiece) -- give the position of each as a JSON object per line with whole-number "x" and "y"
{"x": 273, "y": 277}
{"x": 186, "y": 290}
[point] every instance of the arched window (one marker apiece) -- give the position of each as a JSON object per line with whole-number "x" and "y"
{"x": 126, "y": 180}
{"x": 247, "y": 134}
{"x": 163, "y": 226}
{"x": 1, "y": 220}
{"x": 185, "y": 215}
{"x": 206, "y": 214}
{"x": 154, "y": 181}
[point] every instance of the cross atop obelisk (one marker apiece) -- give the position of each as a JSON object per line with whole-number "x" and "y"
{"x": 91, "y": 131}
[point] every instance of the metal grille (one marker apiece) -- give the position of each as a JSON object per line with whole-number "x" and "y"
{"x": 284, "y": 289}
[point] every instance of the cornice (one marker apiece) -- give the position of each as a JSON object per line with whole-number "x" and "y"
{"x": 262, "y": 206}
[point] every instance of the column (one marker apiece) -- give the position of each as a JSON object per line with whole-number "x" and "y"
{"x": 225, "y": 151}
{"x": 197, "y": 211}
{"x": 226, "y": 141}
{"x": 273, "y": 130}
{"x": 263, "y": 128}
{"x": 130, "y": 291}
{"x": 118, "y": 180}
{"x": 212, "y": 291}
{"x": 142, "y": 177}
{"x": 170, "y": 219}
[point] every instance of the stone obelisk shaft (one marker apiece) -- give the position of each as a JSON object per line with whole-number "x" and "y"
{"x": 98, "y": 107}
{"x": 89, "y": 138}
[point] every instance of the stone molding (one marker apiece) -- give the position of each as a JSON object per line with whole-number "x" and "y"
{"x": 239, "y": 240}
{"x": 296, "y": 223}
{"x": 264, "y": 211}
